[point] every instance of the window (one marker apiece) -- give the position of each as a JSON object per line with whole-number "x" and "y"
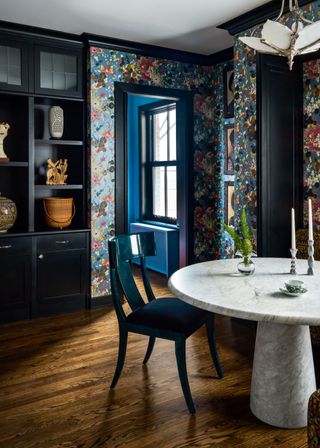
{"x": 159, "y": 162}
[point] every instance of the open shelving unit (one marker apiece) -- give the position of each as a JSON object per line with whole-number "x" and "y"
{"x": 29, "y": 146}
{"x": 70, "y": 147}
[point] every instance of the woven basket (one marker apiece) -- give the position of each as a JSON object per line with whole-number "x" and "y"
{"x": 59, "y": 212}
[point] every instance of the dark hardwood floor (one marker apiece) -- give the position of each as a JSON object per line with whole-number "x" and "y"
{"x": 55, "y": 375}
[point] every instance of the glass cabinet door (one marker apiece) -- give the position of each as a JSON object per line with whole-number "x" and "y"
{"x": 13, "y": 67}
{"x": 58, "y": 72}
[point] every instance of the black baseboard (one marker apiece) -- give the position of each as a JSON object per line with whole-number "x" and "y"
{"x": 101, "y": 302}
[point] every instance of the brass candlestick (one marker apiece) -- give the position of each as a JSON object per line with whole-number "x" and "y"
{"x": 310, "y": 257}
{"x": 293, "y": 261}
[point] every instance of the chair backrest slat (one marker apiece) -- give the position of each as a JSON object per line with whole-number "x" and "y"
{"x": 129, "y": 286}
{"x": 146, "y": 281}
{"x": 122, "y": 250}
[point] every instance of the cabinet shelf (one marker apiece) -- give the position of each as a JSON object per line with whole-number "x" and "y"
{"x": 58, "y": 142}
{"x": 59, "y": 187}
{"x": 14, "y": 164}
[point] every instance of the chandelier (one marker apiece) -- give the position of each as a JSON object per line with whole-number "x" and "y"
{"x": 302, "y": 37}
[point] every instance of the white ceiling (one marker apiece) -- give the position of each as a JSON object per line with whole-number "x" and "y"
{"x": 181, "y": 24}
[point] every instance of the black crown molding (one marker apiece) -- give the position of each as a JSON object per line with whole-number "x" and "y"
{"x": 33, "y": 32}
{"x": 144, "y": 49}
{"x": 221, "y": 56}
{"x": 156, "y": 51}
{"x": 256, "y": 16}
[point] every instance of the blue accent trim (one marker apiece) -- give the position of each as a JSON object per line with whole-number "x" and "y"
{"x": 134, "y": 102}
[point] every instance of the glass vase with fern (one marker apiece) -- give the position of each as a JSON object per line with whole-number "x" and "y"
{"x": 243, "y": 243}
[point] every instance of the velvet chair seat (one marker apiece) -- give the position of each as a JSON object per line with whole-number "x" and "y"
{"x": 169, "y": 314}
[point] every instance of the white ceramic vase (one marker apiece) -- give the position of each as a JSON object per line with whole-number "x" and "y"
{"x": 56, "y": 122}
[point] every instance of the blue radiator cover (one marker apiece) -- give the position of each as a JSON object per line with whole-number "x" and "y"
{"x": 166, "y": 260}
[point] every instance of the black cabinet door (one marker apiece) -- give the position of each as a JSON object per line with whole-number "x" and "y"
{"x": 15, "y": 286}
{"x": 14, "y": 65}
{"x": 279, "y": 154}
{"x": 58, "y": 71}
{"x": 61, "y": 281}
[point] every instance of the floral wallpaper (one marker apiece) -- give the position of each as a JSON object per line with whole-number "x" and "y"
{"x": 106, "y": 67}
{"x": 311, "y": 150}
{"x": 245, "y": 132}
{"x": 211, "y": 241}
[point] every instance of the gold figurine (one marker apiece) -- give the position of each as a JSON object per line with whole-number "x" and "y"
{"x": 56, "y": 173}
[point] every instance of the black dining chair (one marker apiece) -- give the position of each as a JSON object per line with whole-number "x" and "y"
{"x": 166, "y": 318}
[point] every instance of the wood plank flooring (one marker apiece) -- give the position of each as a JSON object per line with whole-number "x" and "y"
{"x": 55, "y": 375}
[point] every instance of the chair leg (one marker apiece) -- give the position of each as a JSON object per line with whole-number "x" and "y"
{"x": 152, "y": 340}
{"x": 212, "y": 344}
{"x": 182, "y": 369}
{"x": 123, "y": 337}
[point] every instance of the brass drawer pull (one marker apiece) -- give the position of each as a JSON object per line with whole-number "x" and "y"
{"x": 6, "y": 247}
{"x": 63, "y": 242}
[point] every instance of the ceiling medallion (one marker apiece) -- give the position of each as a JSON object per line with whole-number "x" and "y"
{"x": 302, "y": 37}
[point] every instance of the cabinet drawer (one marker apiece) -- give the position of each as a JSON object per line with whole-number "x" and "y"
{"x": 10, "y": 246}
{"x": 64, "y": 241}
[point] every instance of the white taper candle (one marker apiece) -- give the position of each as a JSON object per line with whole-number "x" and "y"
{"x": 310, "y": 219}
{"x": 293, "y": 230}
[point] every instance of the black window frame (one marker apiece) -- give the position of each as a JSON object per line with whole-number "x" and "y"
{"x": 147, "y": 115}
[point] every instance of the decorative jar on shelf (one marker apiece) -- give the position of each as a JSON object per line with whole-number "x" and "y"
{"x": 56, "y": 122}
{"x": 8, "y": 213}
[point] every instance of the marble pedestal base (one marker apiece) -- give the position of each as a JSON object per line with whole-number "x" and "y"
{"x": 283, "y": 375}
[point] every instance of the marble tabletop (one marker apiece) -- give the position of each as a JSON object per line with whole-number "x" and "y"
{"x": 216, "y": 286}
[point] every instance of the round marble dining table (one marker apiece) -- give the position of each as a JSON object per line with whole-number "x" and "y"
{"x": 283, "y": 376}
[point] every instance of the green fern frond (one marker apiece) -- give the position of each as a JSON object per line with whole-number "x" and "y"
{"x": 244, "y": 225}
{"x": 236, "y": 238}
{"x": 243, "y": 241}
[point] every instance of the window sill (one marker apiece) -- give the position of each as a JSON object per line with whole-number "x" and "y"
{"x": 162, "y": 225}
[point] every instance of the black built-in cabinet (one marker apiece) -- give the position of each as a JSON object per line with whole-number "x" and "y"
{"x": 42, "y": 271}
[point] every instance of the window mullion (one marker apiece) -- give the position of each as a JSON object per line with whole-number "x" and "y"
{"x": 165, "y": 193}
{"x": 151, "y": 160}
{"x": 168, "y": 135}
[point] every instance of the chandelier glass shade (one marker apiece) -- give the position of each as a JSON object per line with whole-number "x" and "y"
{"x": 302, "y": 37}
